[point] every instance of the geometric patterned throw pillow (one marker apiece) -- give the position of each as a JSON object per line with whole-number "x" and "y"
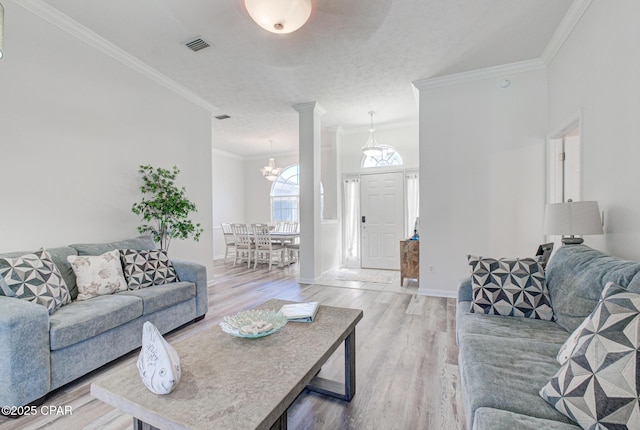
{"x": 36, "y": 278}
{"x": 570, "y": 344}
{"x": 97, "y": 275}
{"x": 598, "y": 386}
{"x": 510, "y": 287}
{"x": 146, "y": 268}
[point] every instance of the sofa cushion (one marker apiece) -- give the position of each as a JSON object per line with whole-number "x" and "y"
{"x": 576, "y": 276}
{"x": 508, "y": 327}
{"x": 496, "y": 419}
{"x": 598, "y": 386}
{"x": 139, "y": 243}
{"x": 146, "y": 268}
{"x": 98, "y": 275}
{"x": 509, "y": 286}
{"x": 36, "y": 278}
{"x": 163, "y": 296}
{"x": 507, "y": 373}
{"x": 82, "y": 320}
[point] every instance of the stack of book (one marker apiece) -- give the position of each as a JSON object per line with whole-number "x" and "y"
{"x": 300, "y": 312}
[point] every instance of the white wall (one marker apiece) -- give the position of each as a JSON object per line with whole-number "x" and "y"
{"x": 403, "y": 137}
{"x": 75, "y": 124}
{"x": 597, "y": 70}
{"x": 228, "y": 195}
{"x": 481, "y": 174}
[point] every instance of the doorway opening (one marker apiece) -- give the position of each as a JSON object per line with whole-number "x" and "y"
{"x": 564, "y": 167}
{"x": 379, "y": 210}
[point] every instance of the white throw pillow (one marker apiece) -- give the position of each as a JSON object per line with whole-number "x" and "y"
{"x": 98, "y": 275}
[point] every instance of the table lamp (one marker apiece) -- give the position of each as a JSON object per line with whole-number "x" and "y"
{"x": 572, "y": 218}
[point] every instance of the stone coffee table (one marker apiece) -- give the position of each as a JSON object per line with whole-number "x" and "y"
{"x": 237, "y": 383}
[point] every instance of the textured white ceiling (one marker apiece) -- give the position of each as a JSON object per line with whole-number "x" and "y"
{"x": 352, "y": 56}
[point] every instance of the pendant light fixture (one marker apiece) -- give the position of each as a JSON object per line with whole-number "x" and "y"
{"x": 271, "y": 172}
{"x": 1, "y": 28}
{"x": 279, "y": 16}
{"x": 371, "y": 149}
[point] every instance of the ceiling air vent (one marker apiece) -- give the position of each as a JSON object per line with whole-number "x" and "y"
{"x": 197, "y": 44}
{"x": 223, "y": 117}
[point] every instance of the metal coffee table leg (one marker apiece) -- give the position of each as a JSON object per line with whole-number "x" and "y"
{"x": 335, "y": 389}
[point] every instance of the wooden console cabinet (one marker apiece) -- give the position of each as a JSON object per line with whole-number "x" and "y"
{"x": 409, "y": 260}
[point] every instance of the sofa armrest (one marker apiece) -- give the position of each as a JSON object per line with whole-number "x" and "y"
{"x": 196, "y": 273}
{"x": 465, "y": 291}
{"x": 24, "y": 351}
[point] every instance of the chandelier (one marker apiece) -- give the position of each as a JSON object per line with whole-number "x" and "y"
{"x": 271, "y": 172}
{"x": 279, "y": 16}
{"x": 371, "y": 148}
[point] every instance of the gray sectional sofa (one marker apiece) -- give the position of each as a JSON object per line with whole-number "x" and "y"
{"x": 505, "y": 361}
{"x": 41, "y": 352}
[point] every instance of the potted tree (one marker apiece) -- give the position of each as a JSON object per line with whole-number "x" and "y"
{"x": 164, "y": 207}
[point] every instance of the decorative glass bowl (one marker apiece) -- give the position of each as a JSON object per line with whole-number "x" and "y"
{"x": 236, "y": 325}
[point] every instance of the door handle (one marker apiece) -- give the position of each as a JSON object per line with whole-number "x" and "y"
{"x": 364, "y": 219}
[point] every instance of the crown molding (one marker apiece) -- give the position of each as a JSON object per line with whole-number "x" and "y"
{"x": 476, "y": 75}
{"x": 562, "y": 33}
{"x": 63, "y": 22}
{"x": 308, "y": 107}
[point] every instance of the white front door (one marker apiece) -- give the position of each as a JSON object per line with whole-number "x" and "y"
{"x": 382, "y": 219}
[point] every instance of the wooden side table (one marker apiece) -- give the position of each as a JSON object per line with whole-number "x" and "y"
{"x": 409, "y": 260}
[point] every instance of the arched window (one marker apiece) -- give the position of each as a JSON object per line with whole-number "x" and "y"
{"x": 285, "y": 193}
{"x": 388, "y": 157}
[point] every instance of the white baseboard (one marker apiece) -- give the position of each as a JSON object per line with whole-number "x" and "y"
{"x": 437, "y": 293}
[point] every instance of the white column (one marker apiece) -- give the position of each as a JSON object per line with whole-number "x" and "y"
{"x": 309, "y": 152}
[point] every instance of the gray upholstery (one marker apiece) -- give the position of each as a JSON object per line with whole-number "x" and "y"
{"x": 82, "y": 320}
{"x": 24, "y": 351}
{"x": 576, "y": 276}
{"x": 505, "y": 361}
{"x": 41, "y": 352}
{"x": 139, "y": 243}
{"x": 507, "y": 373}
{"x": 196, "y": 273}
{"x": 162, "y": 296}
{"x": 496, "y": 419}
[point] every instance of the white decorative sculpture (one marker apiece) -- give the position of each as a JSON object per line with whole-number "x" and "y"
{"x": 158, "y": 363}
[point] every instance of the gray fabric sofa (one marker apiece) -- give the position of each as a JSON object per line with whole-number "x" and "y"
{"x": 41, "y": 352}
{"x": 505, "y": 361}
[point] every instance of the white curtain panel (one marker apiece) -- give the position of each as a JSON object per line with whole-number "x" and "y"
{"x": 413, "y": 202}
{"x": 352, "y": 221}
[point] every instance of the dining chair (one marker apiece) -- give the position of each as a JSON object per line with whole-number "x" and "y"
{"x": 229, "y": 243}
{"x": 293, "y": 252}
{"x": 291, "y": 226}
{"x": 243, "y": 243}
{"x": 264, "y": 245}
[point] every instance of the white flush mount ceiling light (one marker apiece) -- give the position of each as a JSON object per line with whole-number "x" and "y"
{"x": 271, "y": 172}
{"x": 371, "y": 149}
{"x": 1, "y": 28}
{"x": 279, "y": 16}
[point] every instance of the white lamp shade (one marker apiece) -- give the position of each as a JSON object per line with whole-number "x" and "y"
{"x": 279, "y": 16}
{"x": 572, "y": 218}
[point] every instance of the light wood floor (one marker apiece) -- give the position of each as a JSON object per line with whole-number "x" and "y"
{"x": 407, "y": 373}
